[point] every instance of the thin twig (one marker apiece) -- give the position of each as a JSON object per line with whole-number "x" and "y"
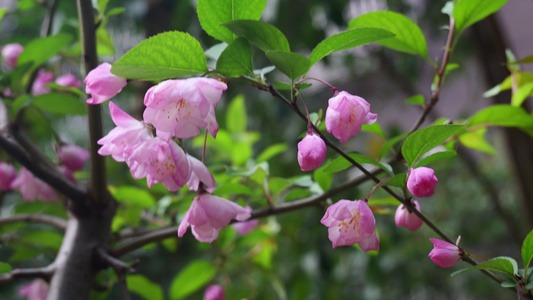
{"x": 35, "y": 218}
{"x": 45, "y": 273}
{"x": 121, "y": 269}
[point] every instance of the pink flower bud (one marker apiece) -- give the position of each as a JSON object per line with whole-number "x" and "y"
{"x": 421, "y": 182}
{"x": 407, "y": 219}
{"x": 31, "y": 187}
{"x": 311, "y": 152}
{"x": 11, "y": 53}
{"x": 102, "y": 84}
{"x": 445, "y": 254}
{"x": 35, "y": 290}
{"x": 346, "y": 114}
{"x": 68, "y": 80}
{"x": 42, "y": 78}
{"x": 72, "y": 156}
{"x": 243, "y": 228}
{"x": 8, "y": 173}
{"x": 214, "y": 292}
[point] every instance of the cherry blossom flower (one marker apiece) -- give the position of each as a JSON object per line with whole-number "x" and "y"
{"x": 31, "y": 187}
{"x": 445, "y": 254}
{"x": 42, "y": 78}
{"x": 346, "y": 114}
{"x": 243, "y": 228}
{"x": 102, "y": 84}
{"x": 214, "y": 292}
{"x": 208, "y": 214}
{"x": 180, "y": 107}
{"x": 311, "y": 152}
{"x": 121, "y": 140}
{"x": 407, "y": 219}
{"x": 8, "y": 173}
{"x": 35, "y": 290}
{"x": 351, "y": 222}
{"x": 199, "y": 173}
{"x": 68, "y": 80}
{"x": 421, "y": 182}
{"x": 11, "y": 53}
{"x": 72, "y": 156}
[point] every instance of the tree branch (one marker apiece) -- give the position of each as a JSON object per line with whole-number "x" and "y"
{"x": 45, "y": 273}
{"x": 35, "y": 218}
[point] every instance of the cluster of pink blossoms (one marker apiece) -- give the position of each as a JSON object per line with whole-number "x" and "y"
{"x": 176, "y": 109}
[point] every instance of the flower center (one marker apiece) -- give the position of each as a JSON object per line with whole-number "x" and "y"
{"x": 352, "y": 223}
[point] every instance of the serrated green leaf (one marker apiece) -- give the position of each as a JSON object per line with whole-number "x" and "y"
{"x": 145, "y": 288}
{"x": 236, "y": 117}
{"x": 502, "y": 264}
{"x": 423, "y": 140}
{"x": 476, "y": 140}
{"x": 213, "y": 13}
{"x": 195, "y": 275}
{"x": 167, "y": 55}
{"x": 408, "y": 36}
{"x": 291, "y": 64}
{"x": 4, "y": 267}
{"x": 348, "y": 39}
{"x": 340, "y": 163}
{"x": 442, "y": 155}
{"x": 468, "y": 12}
{"x": 521, "y": 94}
{"x": 59, "y": 103}
{"x": 416, "y": 100}
{"x": 236, "y": 59}
{"x": 527, "y": 250}
{"x": 323, "y": 178}
{"x": 271, "y": 151}
{"x": 503, "y": 115}
{"x": 39, "y": 51}
{"x": 397, "y": 181}
{"x": 262, "y": 35}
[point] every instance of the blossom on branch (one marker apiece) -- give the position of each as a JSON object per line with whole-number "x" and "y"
{"x": 404, "y": 217}
{"x": 199, "y": 174}
{"x": 346, "y": 114}
{"x": 8, "y": 173}
{"x": 445, "y": 254}
{"x": 72, "y": 156}
{"x": 35, "y": 290}
{"x": 351, "y": 222}
{"x": 311, "y": 152}
{"x": 245, "y": 227}
{"x": 42, "y": 78}
{"x": 214, "y": 292}
{"x": 11, "y": 53}
{"x": 68, "y": 80}
{"x": 102, "y": 84}
{"x": 31, "y": 187}
{"x": 422, "y": 182}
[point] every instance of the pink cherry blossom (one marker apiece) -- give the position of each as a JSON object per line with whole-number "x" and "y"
{"x": 67, "y": 173}
{"x": 160, "y": 161}
{"x": 11, "y": 53}
{"x": 208, "y": 214}
{"x": 445, "y": 254}
{"x": 35, "y": 290}
{"x": 68, "y": 80}
{"x": 243, "y": 228}
{"x": 121, "y": 140}
{"x": 199, "y": 173}
{"x": 421, "y": 182}
{"x": 214, "y": 292}
{"x": 42, "y": 78}
{"x": 31, "y": 187}
{"x": 351, "y": 222}
{"x": 72, "y": 156}
{"x": 102, "y": 84}
{"x": 346, "y": 114}
{"x": 311, "y": 152}
{"x": 407, "y": 219}
{"x": 180, "y": 107}
{"x": 8, "y": 173}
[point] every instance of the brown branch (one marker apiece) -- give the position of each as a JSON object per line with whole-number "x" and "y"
{"x": 45, "y": 273}
{"x": 35, "y": 218}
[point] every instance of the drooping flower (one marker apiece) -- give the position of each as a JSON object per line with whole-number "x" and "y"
{"x": 160, "y": 161}
{"x": 245, "y": 227}
{"x": 11, "y": 53}
{"x": 68, "y": 80}
{"x": 72, "y": 156}
{"x": 121, "y": 140}
{"x": 445, "y": 254}
{"x": 180, "y": 107}
{"x": 407, "y": 219}
{"x": 351, "y": 222}
{"x": 346, "y": 114}
{"x": 31, "y": 187}
{"x": 102, "y": 84}
{"x": 208, "y": 214}
{"x": 199, "y": 173}
{"x": 42, "y": 78}
{"x": 8, "y": 173}
{"x": 214, "y": 292}
{"x": 311, "y": 152}
{"x": 422, "y": 182}
{"x": 35, "y": 290}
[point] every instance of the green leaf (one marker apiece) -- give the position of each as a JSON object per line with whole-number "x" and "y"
{"x": 323, "y": 178}
{"x": 195, "y": 275}
{"x": 278, "y": 184}
{"x": 213, "y": 13}
{"x": 271, "y": 151}
{"x": 130, "y": 195}
{"x": 48, "y": 239}
{"x": 526, "y": 60}
{"x": 262, "y": 35}
{"x": 340, "y": 163}
{"x": 167, "y": 55}
{"x": 60, "y": 103}
{"x": 502, "y": 264}
{"x": 388, "y": 145}
{"x": 236, "y": 117}
{"x": 374, "y": 128}
{"x": 522, "y": 78}
{"x": 521, "y": 94}
{"x": 4, "y": 267}
{"x": 442, "y": 155}
{"x": 527, "y": 249}
{"x": 476, "y": 140}
{"x": 291, "y": 64}
{"x": 348, "y": 39}
{"x": 416, "y": 100}
{"x": 408, "y": 36}
{"x": 104, "y": 42}
{"x": 509, "y": 283}
{"x": 503, "y": 115}
{"x": 397, "y": 181}
{"x": 145, "y": 288}
{"x": 384, "y": 201}
{"x": 468, "y": 12}
{"x": 2, "y": 13}
{"x": 236, "y": 59}
{"x": 115, "y": 11}
{"x": 423, "y": 140}
{"x": 102, "y": 6}
{"x": 39, "y": 51}
{"x": 232, "y": 188}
